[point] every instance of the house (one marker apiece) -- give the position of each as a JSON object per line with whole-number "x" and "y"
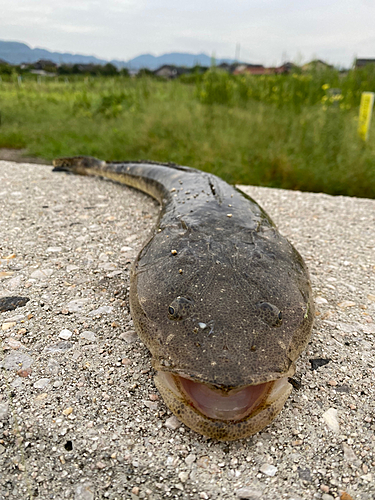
{"x": 44, "y": 64}
{"x": 234, "y": 68}
{"x": 285, "y": 68}
{"x": 316, "y": 65}
{"x": 252, "y": 69}
{"x": 84, "y": 68}
{"x": 240, "y": 69}
{"x": 41, "y": 72}
{"x": 361, "y": 63}
{"x": 170, "y": 71}
{"x": 224, "y": 66}
{"x": 40, "y": 67}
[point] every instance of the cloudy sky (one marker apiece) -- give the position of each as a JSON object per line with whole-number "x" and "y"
{"x": 267, "y": 31}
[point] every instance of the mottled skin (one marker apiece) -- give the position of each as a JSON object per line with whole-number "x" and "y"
{"x": 217, "y": 294}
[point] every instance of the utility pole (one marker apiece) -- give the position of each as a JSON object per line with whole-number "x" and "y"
{"x": 237, "y": 54}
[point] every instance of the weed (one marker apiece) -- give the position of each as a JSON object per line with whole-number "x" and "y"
{"x": 288, "y": 131}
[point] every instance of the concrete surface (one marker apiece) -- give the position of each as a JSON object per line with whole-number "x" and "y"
{"x": 80, "y": 417}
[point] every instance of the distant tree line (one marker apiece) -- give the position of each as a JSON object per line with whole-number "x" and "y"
{"x": 50, "y": 68}
{"x": 91, "y": 69}
{"x": 170, "y": 71}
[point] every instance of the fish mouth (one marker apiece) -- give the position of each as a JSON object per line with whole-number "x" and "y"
{"x": 238, "y": 412}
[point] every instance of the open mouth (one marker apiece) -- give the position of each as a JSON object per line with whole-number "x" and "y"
{"x": 233, "y": 405}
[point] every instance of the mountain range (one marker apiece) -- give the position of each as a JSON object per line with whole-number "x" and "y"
{"x": 18, "y": 53}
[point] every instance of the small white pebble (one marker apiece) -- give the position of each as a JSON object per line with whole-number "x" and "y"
{"x": 248, "y": 493}
{"x": 321, "y": 300}
{"x": 190, "y": 459}
{"x": 65, "y": 334}
{"x": 87, "y": 335}
{"x": 330, "y": 418}
{"x": 172, "y": 423}
{"x": 183, "y": 476}
{"x": 268, "y": 470}
{"x": 41, "y": 383}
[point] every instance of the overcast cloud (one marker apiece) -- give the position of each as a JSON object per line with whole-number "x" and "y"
{"x": 268, "y": 31}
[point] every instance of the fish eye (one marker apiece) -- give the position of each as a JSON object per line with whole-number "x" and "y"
{"x": 270, "y": 314}
{"x": 180, "y": 308}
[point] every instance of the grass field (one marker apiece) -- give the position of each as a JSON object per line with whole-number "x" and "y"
{"x": 281, "y": 131}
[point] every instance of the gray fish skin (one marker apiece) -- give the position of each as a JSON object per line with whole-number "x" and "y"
{"x": 218, "y": 296}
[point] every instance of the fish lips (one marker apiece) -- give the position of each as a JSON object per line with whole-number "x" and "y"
{"x": 223, "y": 414}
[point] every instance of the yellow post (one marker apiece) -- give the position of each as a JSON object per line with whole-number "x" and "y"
{"x": 365, "y": 112}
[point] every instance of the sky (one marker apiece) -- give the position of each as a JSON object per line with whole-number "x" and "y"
{"x": 268, "y": 32}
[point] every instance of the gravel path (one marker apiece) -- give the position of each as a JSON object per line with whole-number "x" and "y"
{"x": 80, "y": 417}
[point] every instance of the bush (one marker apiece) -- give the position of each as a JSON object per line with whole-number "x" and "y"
{"x": 216, "y": 87}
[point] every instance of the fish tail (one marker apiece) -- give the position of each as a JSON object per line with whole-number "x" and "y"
{"x": 83, "y": 165}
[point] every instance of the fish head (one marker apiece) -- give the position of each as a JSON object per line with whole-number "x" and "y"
{"x": 225, "y": 321}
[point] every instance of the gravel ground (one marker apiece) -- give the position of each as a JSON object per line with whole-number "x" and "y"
{"x": 80, "y": 417}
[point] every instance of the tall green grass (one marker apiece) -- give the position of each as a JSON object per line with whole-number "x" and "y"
{"x": 327, "y": 87}
{"x": 234, "y": 127}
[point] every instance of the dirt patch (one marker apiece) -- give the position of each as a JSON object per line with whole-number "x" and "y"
{"x": 20, "y": 156}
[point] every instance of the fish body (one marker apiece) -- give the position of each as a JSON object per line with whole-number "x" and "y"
{"x": 221, "y": 299}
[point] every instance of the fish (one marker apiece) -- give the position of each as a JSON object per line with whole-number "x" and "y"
{"x": 220, "y": 298}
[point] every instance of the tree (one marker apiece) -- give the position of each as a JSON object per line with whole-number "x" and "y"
{"x": 108, "y": 70}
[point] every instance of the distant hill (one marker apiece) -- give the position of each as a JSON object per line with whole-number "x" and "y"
{"x": 175, "y": 58}
{"x": 18, "y": 53}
